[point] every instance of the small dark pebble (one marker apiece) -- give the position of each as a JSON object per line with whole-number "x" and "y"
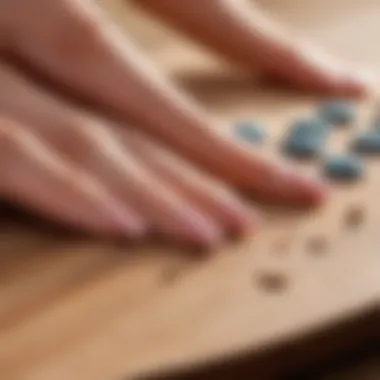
{"x": 338, "y": 112}
{"x": 354, "y": 216}
{"x": 317, "y": 245}
{"x": 172, "y": 273}
{"x": 346, "y": 168}
{"x": 273, "y": 282}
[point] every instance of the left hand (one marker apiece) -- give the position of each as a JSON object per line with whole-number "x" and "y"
{"x": 69, "y": 47}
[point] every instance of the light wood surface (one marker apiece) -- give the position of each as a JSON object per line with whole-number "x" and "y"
{"x": 87, "y": 310}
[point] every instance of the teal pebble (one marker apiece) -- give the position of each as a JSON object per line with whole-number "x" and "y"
{"x": 306, "y": 138}
{"x": 343, "y": 168}
{"x": 367, "y": 143}
{"x": 250, "y": 132}
{"x": 376, "y": 124}
{"x": 302, "y": 148}
{"x": 337, "y": 112}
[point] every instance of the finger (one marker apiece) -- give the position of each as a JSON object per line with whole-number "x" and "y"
{"x": 88, "y": 144}
{"x": 247, "y": 36}
{"x": 167, "y": 211}
{"x": 36, "y": 177}
{"x": 109, "y": 71}
{"x": 211, "y": 197}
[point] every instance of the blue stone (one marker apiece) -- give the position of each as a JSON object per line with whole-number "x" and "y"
{"x": 337, "y": 112}
{"x": 376, "y": 124}
{"x": 343, "y": 168}
{"x": 306, "y": 138}
{"x": 249, "y": 131}
{"x": 302, "y": 148}
{"x": 367, "y": 143}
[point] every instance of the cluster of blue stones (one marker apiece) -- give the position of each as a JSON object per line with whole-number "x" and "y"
{"x": 307, "y": 139}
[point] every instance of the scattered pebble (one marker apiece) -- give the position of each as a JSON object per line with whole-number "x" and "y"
{"x": 273, "y": 282}
{"x": 343, "y": 168}
{"x": 338, "y": 112}
{"x": 354, "y": 216}
{"x": 170, "y": 275}
{"x": 306, "y": 138}
{"x": 367, "y": 143}
{"x": 250, "y": 131}
{"x": 375, "y": 123}
{"x": 317, "y": 245}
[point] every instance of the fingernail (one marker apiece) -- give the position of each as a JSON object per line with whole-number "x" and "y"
{"x": 367, "y": 78}
{"x": 203, "y": 233}
{"x": 123, "y": 221}
{"x": 305, "y": 188}
{"x": 314, "y": 189}
{"x": 242, "y": 219}
{"x": 364, "y": 79}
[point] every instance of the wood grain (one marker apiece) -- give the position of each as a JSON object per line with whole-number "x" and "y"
{"x": 88, "y": 310}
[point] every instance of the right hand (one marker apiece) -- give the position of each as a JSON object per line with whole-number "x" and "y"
{"x": 171, "y": 176}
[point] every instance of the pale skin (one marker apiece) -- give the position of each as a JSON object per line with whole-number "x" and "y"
{"x": 154, "y": 160}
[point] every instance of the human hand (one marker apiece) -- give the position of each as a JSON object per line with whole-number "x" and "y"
{"x": 241, "y": 32}
{"x": 90, "y": 171}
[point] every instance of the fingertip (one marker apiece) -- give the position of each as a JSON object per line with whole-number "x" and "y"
{"x": 206, "y": 236}
{"x": 245, "y": 221}
{"x": 311, "y": 192}
{"x": 357, "y": 84}
{"x": 193, "y": 230}
{"x": 360, "y": 83}
{"x": 124, "y": 222}
{"x": 318, "y": 72}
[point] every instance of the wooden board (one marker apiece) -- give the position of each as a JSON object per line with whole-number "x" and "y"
{"x": 87, "y": 310}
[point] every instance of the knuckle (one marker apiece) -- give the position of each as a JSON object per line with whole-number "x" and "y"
{"x": 74, "y": 40}
{"x": 79, "y": 143}
{"x": 63, "y": 27}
